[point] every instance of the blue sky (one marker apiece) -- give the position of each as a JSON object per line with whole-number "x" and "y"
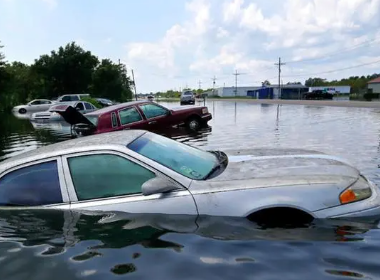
{"x": 174, "y": 43}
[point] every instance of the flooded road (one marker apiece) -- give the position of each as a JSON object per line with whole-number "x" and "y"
{"x": 66, "y": 245}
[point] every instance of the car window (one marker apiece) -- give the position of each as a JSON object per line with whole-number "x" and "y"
{"x": 106, "y": 175}
{"x": 46, "y": 102}
{"x": 88, "y": 106}
{"x": 152, "y": 110}
{"x": 36, "y": 102}
{"x": 31, "y": 186}
{"x": 80, "y": 106}
{"x": 114, "y": 120}
{"x": 184, "y": 159}
{"x": 129, "y": 115}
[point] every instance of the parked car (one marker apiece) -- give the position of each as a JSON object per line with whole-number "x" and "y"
{"x": 318, "y": 94}
{"x": 187, "y": 97}
{"x": 134, "y": 115}
{"x": 104, "y": 102}
{"x": 36, "y": 105}
{"x": 138, "y": 171}
{"x": 72, "y": 97}
{"x": 51, "y": 115}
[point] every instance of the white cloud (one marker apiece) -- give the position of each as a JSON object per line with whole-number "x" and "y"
{"x": 250, "y": 36}
{"x": 51, "y": 3}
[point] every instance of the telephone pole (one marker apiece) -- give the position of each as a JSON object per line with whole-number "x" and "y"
{"x": 279, "y": 64}
{"x": 236, "y": 74}
{"x": 200, "y": 84}
{"x": 134, "y": 84}
{"x": 213, "y": 84}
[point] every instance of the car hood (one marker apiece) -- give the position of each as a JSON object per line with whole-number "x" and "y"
{"x": 284, "y": 164}
{"x": 71, "y": 115}
{"x": 277, "y": 167}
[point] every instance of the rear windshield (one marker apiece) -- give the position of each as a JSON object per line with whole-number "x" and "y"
{"x": 93, "y": 119}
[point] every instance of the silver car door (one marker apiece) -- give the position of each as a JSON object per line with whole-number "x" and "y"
{"x": 111, "y": 181}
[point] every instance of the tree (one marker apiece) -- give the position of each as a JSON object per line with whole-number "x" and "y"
{"x": 265, "y": 83}
{"x": 111, "y": 81}
{"x": 66, "y": 71}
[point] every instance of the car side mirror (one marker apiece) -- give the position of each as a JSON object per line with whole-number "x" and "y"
{"x": 169, "y": 112}
{"x": 158, "y": 185}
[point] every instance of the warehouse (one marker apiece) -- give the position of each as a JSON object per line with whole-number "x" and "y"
{"x": 374, "y": 85}
{"x": 291, "y": 91}
{"x": 333, "y": 89}
{"x": 230, "y": 91}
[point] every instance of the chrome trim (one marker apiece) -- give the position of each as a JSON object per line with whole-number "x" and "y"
{"x": 62, "y": 182}
{"x": 156, "y": 171}
{"x": 129, "y": 107}
{"x": 126, "y": 199}
{"x": 160, "y": 116}
{"x": 60, "y": 177}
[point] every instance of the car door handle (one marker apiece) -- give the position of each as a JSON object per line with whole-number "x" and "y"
{"x": 152, "y": 122}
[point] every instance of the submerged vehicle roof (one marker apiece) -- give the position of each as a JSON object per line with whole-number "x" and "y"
{"x": 104, "y": 140}
{"x": 117, "y": 106}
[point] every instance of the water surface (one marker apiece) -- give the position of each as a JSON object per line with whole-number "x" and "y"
{"x": 66, "y": 245}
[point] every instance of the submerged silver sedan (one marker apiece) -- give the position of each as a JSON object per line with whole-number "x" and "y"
{"x": 137, "y": 171}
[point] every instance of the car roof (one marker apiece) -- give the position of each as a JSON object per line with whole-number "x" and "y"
{"x": 117, "y": 107}
{"x": 87, "y": 143}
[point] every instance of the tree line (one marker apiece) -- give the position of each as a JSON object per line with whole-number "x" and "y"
{"x": 358, "y": 84}
{"x": 68, "y": 70}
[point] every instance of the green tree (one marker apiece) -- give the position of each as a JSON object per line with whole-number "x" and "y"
{"x": 111, "y": 81}
{"x": 66, "y": 71}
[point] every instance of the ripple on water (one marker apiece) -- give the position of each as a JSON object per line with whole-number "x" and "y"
{"x": 34, "y": 246}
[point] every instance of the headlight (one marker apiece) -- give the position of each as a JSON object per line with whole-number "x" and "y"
{"x": 358, "y": 191}
{"x": 204, "y": 111}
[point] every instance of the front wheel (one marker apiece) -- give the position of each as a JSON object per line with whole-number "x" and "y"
{"x": 194, "y": 123}
{"x": 22, "y": 111}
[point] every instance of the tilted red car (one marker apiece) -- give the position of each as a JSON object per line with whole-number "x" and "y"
{"x": 145, "y": 115}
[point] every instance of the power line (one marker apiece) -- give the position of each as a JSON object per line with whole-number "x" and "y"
{"x": 335, "y": 70}
{"x": 369, "y": 42}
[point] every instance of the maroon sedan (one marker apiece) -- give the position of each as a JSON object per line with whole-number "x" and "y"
{"x": 145, "y": 115}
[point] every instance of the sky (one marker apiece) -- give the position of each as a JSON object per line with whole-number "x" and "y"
{"x": 173, "y": 44}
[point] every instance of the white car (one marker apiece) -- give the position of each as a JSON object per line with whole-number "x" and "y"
{"x": 136, "y": 171}
{"x": 82, "y": 106}
{"x": 37, "y": 105}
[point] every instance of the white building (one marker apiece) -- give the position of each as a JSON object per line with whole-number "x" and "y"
{"x": 333, "y": 89}
{"x": 374, "y": 85}
{"x": 230, "y": 91}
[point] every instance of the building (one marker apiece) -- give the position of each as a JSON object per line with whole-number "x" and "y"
{"x": 230, "y": 91}
{"x": 374, "y": 85}
{"x": 333, "y": 89}
{"x": 289, "y": 91}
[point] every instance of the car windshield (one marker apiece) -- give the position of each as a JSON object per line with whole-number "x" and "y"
{"x": 188, "y": 93}
{"x": 184, "y": 159}
{"x": 93, "y": 119}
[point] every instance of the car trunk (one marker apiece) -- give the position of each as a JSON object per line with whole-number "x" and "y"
{"x": 82, "y": 125}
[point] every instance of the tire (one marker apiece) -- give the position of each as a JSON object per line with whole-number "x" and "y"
{"x": 194, "y": 123}
{"x": 22, "y": 111}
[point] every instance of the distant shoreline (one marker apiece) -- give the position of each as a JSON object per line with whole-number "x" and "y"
{"x": 332, "y": 103}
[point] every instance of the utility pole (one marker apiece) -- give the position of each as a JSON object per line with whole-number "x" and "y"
{"x": 236, "y": 74}
{"x": 213, "y": 84}
{"x": 279, "y": 64}
{"x": 200, "y": 84}
{"x": 134, "y": 84}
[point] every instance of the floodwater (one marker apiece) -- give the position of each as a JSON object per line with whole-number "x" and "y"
{"x": 65, "y": 245}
